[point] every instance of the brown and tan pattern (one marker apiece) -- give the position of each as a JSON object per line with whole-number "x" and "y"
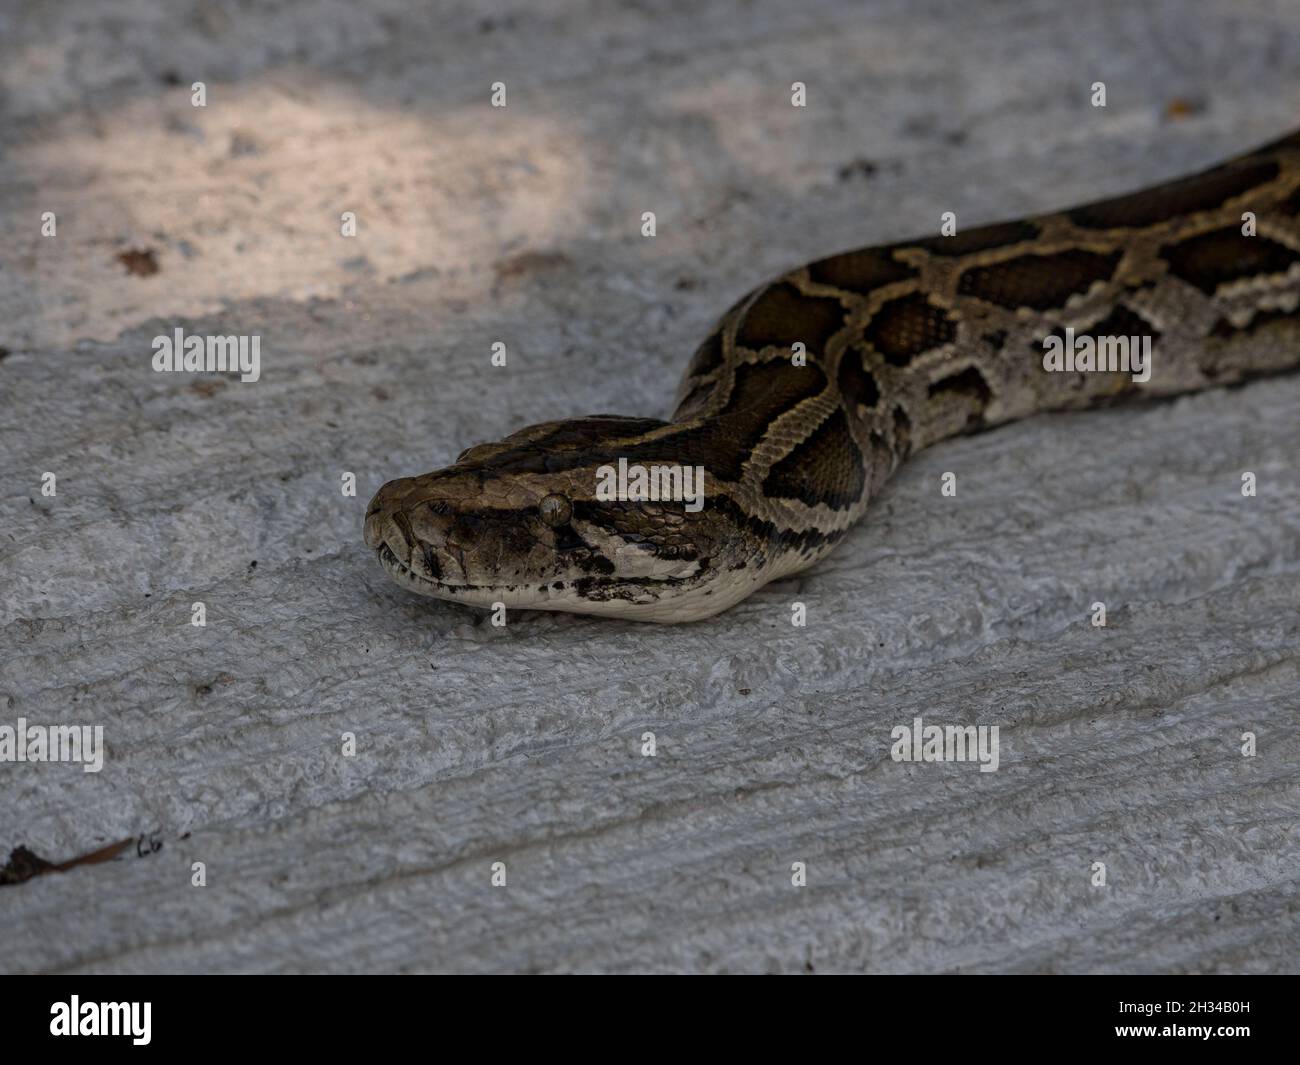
{"x": 906, "y": 345}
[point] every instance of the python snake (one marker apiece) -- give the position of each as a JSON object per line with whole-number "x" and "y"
{"x": 811, "y": 391}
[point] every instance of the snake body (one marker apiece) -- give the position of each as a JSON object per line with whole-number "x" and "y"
{"x": 815, "y": 387}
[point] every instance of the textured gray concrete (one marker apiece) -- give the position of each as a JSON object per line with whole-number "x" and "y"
{"x": 522, "y": 745}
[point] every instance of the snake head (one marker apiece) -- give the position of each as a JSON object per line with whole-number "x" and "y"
{"x": 535, "y": 521}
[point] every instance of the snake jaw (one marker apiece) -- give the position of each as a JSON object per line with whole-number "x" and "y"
{"x": 412, "y": 579}
{"x": 423, "y": 543}
{"x": 441, "y": 535}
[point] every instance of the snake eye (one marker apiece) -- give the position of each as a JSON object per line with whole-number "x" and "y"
{"x": 555, "y": 510}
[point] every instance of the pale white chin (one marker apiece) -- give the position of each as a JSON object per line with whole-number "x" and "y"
{"x": 665, "y": 604}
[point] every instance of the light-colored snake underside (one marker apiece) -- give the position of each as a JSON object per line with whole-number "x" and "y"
{"x": 906, "y": 344}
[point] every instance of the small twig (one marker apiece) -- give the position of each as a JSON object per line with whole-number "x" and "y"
{"x": 23, "y": 864}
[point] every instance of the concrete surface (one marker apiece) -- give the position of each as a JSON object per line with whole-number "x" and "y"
{"x": 523, "y": 745}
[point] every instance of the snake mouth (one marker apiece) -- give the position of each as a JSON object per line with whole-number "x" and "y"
{"x": 418, "y": 582}
{"x": 398, "y": 569}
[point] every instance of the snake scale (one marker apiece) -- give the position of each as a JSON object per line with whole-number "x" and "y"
{"x": 902, "y": 345}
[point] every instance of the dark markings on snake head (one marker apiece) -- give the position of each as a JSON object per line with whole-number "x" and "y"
{"x": 656, "y": 526}
{"x": 431, "y": 562}
{"x": 596, "y": 589}
{"x": 567, "y": 539}
{"x": 773, "y": 535}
